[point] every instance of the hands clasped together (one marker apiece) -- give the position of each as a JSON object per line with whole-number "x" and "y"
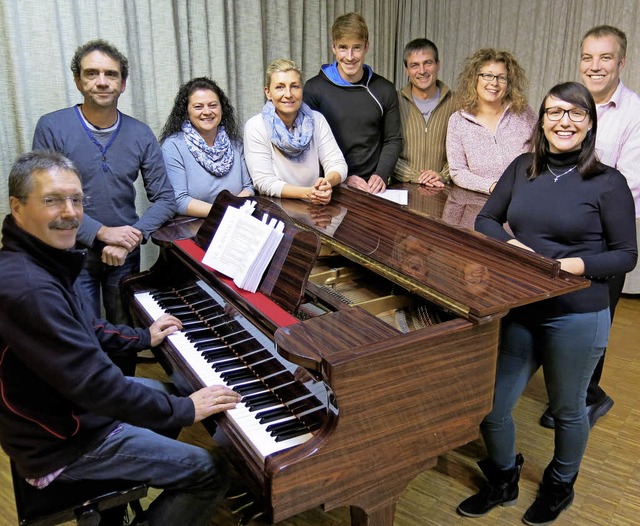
{"x": 320, "y": 192}
{"x": 119, "y": 241}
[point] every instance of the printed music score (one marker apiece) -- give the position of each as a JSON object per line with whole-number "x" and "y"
{"x": 244, "y": 245}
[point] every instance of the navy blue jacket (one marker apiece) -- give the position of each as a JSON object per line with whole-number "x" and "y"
{"x": 60, "y": 393}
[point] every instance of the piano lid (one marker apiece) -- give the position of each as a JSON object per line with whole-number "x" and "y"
{"x": 461, "y": 270}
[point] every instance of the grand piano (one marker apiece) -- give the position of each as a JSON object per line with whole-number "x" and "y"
{"x": 368, "y": 351}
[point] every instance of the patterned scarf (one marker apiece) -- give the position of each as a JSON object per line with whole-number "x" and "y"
{"x": 216, "y": 159}
{"x": 292, "y": 143}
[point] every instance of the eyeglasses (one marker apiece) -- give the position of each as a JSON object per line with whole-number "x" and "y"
{"x": 557, "y": 114}
{"x": 490, "y": 76}
{"x": 59, "y": 202}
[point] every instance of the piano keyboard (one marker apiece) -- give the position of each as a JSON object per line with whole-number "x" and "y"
{"x": 223, "y": 348}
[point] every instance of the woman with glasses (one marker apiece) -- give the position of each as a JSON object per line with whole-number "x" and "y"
{"x": 202, "y": 148}
{"x": 493, "y": 123}
{"x": 562, "y": 203}
{"x": 290, "y": 149}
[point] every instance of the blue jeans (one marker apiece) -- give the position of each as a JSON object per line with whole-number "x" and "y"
{"x": 568, "y": 347}
{"x": 194, "y": 481}
{"x": 98, "y": 279}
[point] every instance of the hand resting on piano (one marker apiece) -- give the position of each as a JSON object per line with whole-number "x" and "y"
{"x": 208, "y": 400}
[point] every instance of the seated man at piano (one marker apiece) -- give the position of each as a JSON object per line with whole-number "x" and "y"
{"x": 67, "y": 412}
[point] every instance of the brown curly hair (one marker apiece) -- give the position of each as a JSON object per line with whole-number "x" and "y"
{"x": 466, "y": 95}
{"x": 179, "y": 112}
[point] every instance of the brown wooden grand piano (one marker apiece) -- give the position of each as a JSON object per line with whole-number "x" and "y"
{"x": 397, "y": 320}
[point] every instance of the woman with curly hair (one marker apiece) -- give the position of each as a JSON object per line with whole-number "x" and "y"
{"x": 494, "y": 122}
{"x": 291, "y": 151}
{"x": 202, "y": 148}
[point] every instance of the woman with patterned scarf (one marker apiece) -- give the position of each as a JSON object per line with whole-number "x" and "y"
{"x": 202, "y": 148}
{"x": 290, "y": 149}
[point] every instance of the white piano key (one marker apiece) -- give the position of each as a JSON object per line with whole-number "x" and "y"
{"x": 242, "y": 419}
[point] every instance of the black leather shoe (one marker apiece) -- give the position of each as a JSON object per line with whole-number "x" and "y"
{"x": 599, "y": 409}
{"x": 546, "y": 420}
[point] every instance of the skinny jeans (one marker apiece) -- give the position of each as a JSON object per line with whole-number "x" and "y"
{"x": 567, "y": 347}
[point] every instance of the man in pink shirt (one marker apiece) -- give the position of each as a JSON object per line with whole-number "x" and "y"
{"x": 603, "y": 57}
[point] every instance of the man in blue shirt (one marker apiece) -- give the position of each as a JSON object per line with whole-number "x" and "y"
{"x": 111, "y": 150}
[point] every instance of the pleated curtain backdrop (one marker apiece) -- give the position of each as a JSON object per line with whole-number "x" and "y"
{"x": 168, "y": 42}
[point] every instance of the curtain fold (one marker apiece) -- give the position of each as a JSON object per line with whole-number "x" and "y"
{"x": 168, "y": 42}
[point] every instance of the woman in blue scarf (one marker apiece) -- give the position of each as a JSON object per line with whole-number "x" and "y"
{"x": 290, "y": 149}
{"x": 202, "y": 148}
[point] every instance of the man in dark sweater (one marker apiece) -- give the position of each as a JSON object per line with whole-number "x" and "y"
{"x": 66, "y": 412}
{"x": 111, "y": 150}
{"x": 360, "y": 106}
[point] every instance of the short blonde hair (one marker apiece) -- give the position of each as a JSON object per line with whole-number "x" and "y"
{"x": 280, "y": 65}
{"x": 351, "y": 25}
{"x": 466, "y": 95}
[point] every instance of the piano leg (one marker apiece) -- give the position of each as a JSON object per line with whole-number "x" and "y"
{"x": 380, "y": 517}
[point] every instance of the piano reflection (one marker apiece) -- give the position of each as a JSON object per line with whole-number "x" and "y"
{"x": 394, "y": 315}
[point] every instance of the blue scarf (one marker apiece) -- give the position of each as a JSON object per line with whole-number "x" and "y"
{"x": 216, "y": 159}
{"x": 292, "y": 143}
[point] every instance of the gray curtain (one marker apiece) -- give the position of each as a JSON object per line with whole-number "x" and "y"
{"x": 168, "y": 42}
{"x": 544, "y": 35}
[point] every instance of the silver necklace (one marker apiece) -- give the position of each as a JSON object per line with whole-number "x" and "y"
{"x": 558, "y": 176}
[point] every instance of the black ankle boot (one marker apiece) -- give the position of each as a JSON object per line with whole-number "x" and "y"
{"x": 501, "y": 488}
{"x": 553, "y": 498}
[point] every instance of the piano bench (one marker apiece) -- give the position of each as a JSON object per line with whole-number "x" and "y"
{"x": 80, "y": 501}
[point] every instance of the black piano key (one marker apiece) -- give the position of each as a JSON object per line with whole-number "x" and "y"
{"x": 234, "y": 377}
{"x": 251, "y": 388}
{"x": 272, "y": 415}
{"x": 284, "y": 427}
{"x": 213, "y": 345}
{"x": 189, "y": 320}
{"x": 258, "y": 397}
{"x": 205, "y": 341}
{"x": 292, "y": 433}
{"x": 266, "y": 405}
{"x": 197, "y": 333}
{"x": 313, "y": 422}
{"x": 280, "y": 383}
{"x": 172, "y": 304}
{"x": 220, "y": 354}
{"x": 227, "y": 365}
{"x": 270, "y": 402}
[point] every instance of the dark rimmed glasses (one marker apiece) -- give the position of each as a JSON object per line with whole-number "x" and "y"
{"x": 557, "y": 114}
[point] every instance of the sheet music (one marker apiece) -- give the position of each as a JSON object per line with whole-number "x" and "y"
{"x": 243, "y": 246}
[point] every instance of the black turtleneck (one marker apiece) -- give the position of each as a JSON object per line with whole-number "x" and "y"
{"x": 567, "y": 216}
{"x": 564, "y": 159}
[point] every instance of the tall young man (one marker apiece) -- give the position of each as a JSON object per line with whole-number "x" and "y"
{"x": 360, "y": 106}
